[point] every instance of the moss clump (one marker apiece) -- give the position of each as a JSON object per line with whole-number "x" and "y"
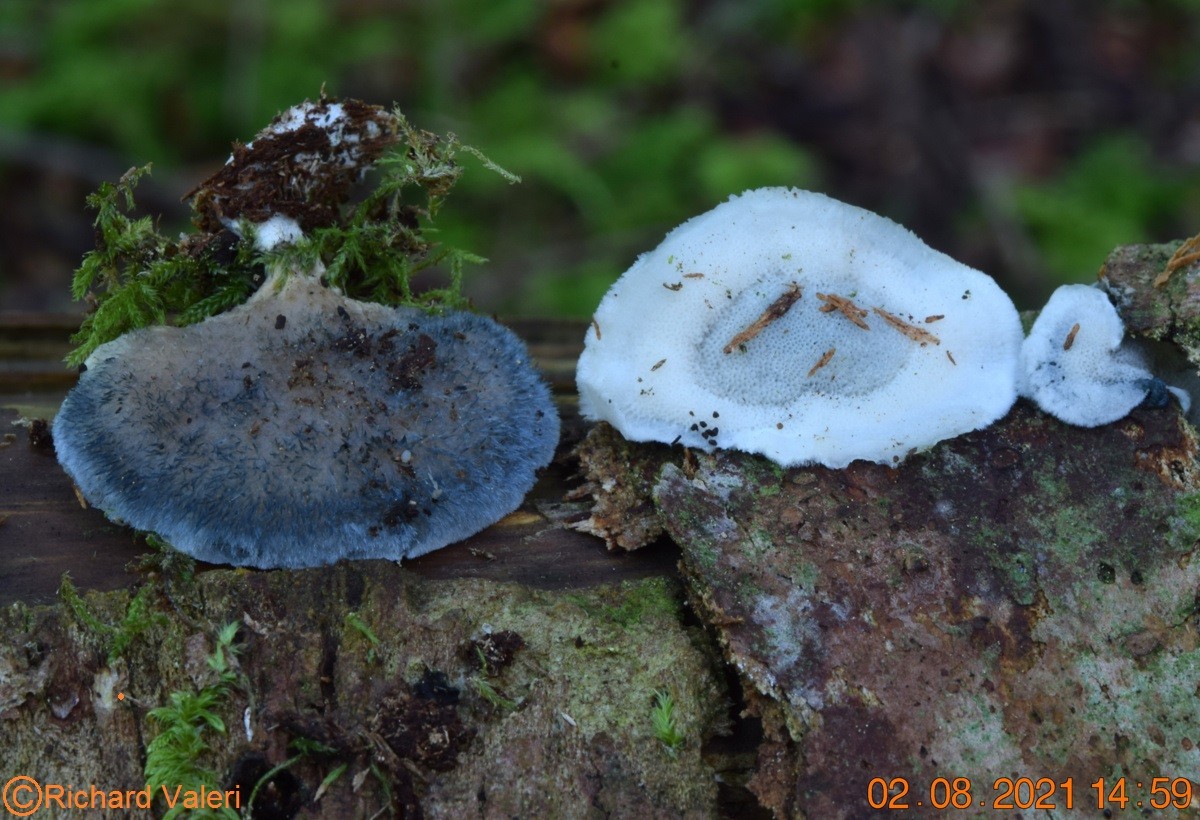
{"x": 371, "y": 249}
{"x": 629, "y": 604}
{"x": 1187, "y": 531}
{"x": 662, "y": 717}
{"x": 173, "y": 757}
{"x": 139, "y": 617}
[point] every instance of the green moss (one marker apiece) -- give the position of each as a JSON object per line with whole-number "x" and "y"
{"x": 357, "y": 624}
{"x": 761, "y": 542}
{"x": 1120, "y": 695}
{"x": 1187, "y": 530}
{"x": 139, "y": 616}
{"x": 1015, "y": 567}
{"x": 807, "y": 576}
{"x": 69, "y": 595}
{"x": 174, "y": 755}
{"x": 490, "y": 694}
{"x": 138, "y": 277}
{"x": 662, "y": 718}
{"x": 630, "y": 603}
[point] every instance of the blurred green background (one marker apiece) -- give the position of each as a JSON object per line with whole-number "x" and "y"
{"x": 1023, "y": 137}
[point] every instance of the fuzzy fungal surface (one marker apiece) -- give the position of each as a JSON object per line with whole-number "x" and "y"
{"x": 433, "y": 698}
{"x": 305, "y": 427}
{"x": 1018, "y": 601}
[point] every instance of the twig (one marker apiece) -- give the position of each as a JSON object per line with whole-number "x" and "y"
{"x": 847, "y": 308}
{"x": 1187, "y": 253}
{"x": 911, "y": 331}
{"x": 824, "y": 360}
{"x": 774, "y": 311}
{"x": 1070, "y": 340}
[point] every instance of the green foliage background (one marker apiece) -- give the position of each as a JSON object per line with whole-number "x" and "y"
{"x": 615, "y": 113}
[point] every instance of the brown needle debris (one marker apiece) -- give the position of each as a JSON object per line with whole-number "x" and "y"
{"x": 911, "y": 331}
{"x": 847, "y": 308}
{"x": 774, "y": 311}
{"x": 1070, "y": 340}
{"x": 824, "y": 360}
{"x": 1187, "y": 253}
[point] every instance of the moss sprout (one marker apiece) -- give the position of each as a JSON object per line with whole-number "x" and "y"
{"x": 354, "y": 620}
{"x": 138, "y": 618}
{"x": 662, "y": 718}
{"x": 173, "y": 757}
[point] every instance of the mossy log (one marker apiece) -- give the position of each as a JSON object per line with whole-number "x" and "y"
{"x": 514, "y": 674}
{"x": 439, "y": 698}
{"x": 1018, "y": 602}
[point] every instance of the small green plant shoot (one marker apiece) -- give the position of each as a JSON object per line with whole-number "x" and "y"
{"x": 662, "y": 718}
{"x": 173, "y": 756}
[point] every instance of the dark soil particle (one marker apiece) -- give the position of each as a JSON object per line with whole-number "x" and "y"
{"x": 279, "y": 798}
{"x": 39, "y": 435}
{"x": 405, "y": 372}
{"x": 386, "y": 345}
{"x": 355, "y": 340}
{"x": 300, "y": 186}
{"x": 424, "y": 727}
{"x": 400, "y": 513}
{"x": 494, "y": 650}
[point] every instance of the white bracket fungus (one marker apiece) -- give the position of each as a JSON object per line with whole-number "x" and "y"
{"x": 787, "y": 323}
{"x": 1075, "y": 366}
{"x": 304, "y": 427}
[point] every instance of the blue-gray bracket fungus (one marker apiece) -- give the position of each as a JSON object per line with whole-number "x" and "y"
{"x": 789, "y": 324}
{"x": 304, "y": 427}
{"x": 1076, "y": 366}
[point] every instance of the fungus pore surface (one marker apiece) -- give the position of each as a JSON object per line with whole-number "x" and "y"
{"x": 304, "y": 427}
{"x": 787, "y": 323}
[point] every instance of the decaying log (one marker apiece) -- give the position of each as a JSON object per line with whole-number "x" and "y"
{"x": 1017, "y": 602}
{"x": 441, "y": 698}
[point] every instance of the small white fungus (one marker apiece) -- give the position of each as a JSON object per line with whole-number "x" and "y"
{"x": 278, "y": 230}
{"x": 787, "y": 323}
{"x": 1075, "y": 366}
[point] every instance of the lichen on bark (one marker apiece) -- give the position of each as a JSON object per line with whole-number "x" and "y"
{"x": 1019, "y": 599}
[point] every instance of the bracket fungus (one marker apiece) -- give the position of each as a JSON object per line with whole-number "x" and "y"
{"x": 786, "y": 323}
{"x": 305, "y": 426}
{"x": 1076, "y": 366}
